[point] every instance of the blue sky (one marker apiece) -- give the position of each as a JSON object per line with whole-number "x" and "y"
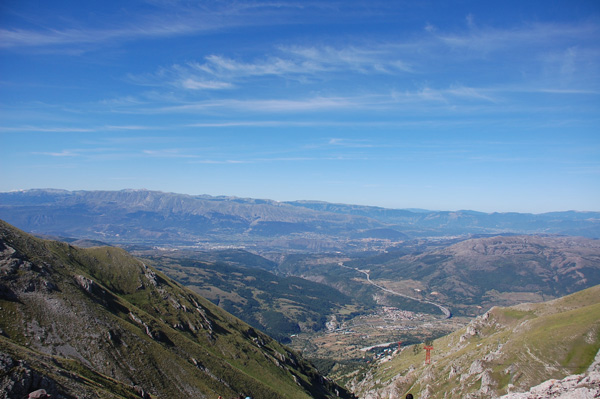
{"x": 490, "y": 106}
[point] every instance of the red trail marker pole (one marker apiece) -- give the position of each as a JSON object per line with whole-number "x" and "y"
{"x": 428, "y": 349}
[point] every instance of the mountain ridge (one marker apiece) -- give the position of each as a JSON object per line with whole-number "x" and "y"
{"x": 158, "y": 218}
{"x": 502, "y": 221}
{"x": 101, "y": 320}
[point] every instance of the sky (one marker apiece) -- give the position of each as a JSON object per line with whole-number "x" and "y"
{"x": 442, "y": 105}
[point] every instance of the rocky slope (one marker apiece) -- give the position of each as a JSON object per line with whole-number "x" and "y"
{"x": 98, "y": 323}
{"x": 507, "y": 350}
{"x": 578, "y": 386}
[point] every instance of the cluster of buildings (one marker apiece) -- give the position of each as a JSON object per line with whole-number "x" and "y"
{"x": 395, "y": 314}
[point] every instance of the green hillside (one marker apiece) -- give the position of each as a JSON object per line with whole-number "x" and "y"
{"x": 97, "y": 322}
{"x": 278, "y": 305}
{"x": 507, "y": 349}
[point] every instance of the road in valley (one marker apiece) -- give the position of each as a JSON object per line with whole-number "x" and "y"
{"x": 442, "y": 308}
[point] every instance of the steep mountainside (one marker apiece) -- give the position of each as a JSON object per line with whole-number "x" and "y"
{"x": 278, "y": 305}
{"x": 98, "y": 323}
{"x": 505, "y": 350}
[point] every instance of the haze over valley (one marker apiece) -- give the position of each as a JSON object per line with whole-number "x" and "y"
{"x": 299, "y": 199}
{"x": 340, "y": 284}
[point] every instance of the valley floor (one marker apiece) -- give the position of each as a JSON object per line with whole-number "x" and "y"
{"x": 366, "y": 338}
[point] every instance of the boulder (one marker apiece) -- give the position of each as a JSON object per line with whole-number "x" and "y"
{"x": 39, "y": 394}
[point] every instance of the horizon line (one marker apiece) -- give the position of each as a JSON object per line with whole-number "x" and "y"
{"x": 409, "y": 209}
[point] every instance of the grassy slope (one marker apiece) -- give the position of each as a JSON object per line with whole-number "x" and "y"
{"x": 280, "y": 306}
{"x": 516, "y": 347}
{"x": 136, "y": 326}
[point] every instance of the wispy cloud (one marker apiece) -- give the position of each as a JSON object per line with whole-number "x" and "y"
{"x": 157, "y": 19}
{"x": 18, "y": 38}
{"x": 226, "y": 67}
{"x": 301, "y": 78}
{"x": 87, "y": 129}
{"x": 503, "y": 159}
{"x": 168, "y": 153}
{"x": 129, "y": 127}
{"x": 377, "y": 101}
{"x": 593, "y": 170}
{"x": 540, "y": 35}
{"x": 64, "y": 153}
{"x": 313, "y": 122}
{"x": 294, "y": 123}
{"x": 258, "y": 160}
{"x": 270, "y": 105}
{"x": 303, "y": 64}
{"x": 453, "y": 99}
{"x": 535, "y": 49}
{"x": 89, "y": 153}
{"x": 194, "y": 84}
{"x": 470, "y": 93}
{"x": 45, "y": 129}
{"x": 372, "y": 58}
{"x": 220, "y": 162}
{"x": 350, "y": 143}
{"x": 247, "y": 124}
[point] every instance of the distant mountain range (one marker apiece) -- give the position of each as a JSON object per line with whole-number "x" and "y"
{"x": 99, "y": 323}
{"x": 150, "y": 217}
{"x": 356, "y": 258}
{"x": 157, "y": 218}
{"x": 419, "y": 222}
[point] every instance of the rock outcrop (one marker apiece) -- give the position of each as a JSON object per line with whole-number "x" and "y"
{"x": 506, "y": 351}
{"x": 578, "y": 386}
{"x": 19, "y": 380}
